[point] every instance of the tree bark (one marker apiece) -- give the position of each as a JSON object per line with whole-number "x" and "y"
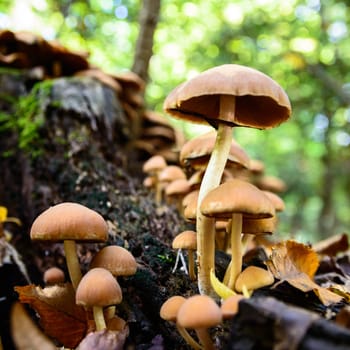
{"x": 148, "y": 20}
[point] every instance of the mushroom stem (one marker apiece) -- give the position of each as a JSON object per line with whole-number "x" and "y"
{"x": 191, "y": 272}
{"x": 206, "y": 226}
{"x": 235, "y": 266}
{"x": 99, "y": 318}
{"x": 72, "y": 262}
{"x": 187, "y": 337}
{"x": 204, "y": 338}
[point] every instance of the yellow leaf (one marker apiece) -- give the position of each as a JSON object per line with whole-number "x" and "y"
{"x": 220, "y": 289}
{"x": 3, "y": 213}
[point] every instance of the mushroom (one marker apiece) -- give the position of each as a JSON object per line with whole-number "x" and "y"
{"x": 200, "y": 312}
{"x": 187, "y": 240}
{"x": 97, "y": 289}
{"x": 169, "y": 311}
{"x": 177, "y": 190}
{"x": 153, "y": 166}
{"x": 224, "y": 96}
{"x": 118, "y": 261}
{"x": 229, "y": 307}
{"x": 235, "y": 199}
{"x": 53, "y": 275}
{"x": 70, "y": 222}
{"x": 251, "y": 278}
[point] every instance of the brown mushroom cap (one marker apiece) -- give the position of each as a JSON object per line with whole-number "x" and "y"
{"x": 237, "y": 196}
{"x": 98, "y": 288}
{"x": 229, "y": 306}
{"x": 199, "y": 311}
{"x": 170, "y": 308}
{"x": 53, "y": 275}
{"x": 154, "y": 164}
{"x": 260, "y": 101}
{"x": 185, "y": 240}
{"x": 276, "y": 200}
{"x": 171, "y": 173}
{"x": 69, "y": 221}
{"x": 253, "y": 277}
{"x": 116, "y": 259}
{"x": 178, "y": 187}
{"x": 197, "y": 151}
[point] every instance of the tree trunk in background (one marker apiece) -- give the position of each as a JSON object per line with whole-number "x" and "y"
{"x": 148, "y": 20}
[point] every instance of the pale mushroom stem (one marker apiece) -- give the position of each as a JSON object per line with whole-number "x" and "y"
{"x": 99, "y": 318}
{"x": 188, "y": 338}
{"x": 191, "y": 272}
{"x": 159, "y": 190}
{"x": 73, "y": 264}
{"x": 235, "y": 266}
{"x": 204, "y": 338}
{"x": 205, "y": 226}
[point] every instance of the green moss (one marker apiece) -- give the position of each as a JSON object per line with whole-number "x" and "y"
{"x": 28, "y": 118}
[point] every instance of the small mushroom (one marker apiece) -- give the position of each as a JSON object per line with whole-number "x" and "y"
{"x": 53, "y": 275}
{"x": 118, "y": 261}
{"x": 98, "y": 289}
{"x": 229, "y": 307}
{"x": 200, "y": 312}
{"x": 187, "y": 240}
{"x": 169, "y": 311}
{"x": 251, "y": 278}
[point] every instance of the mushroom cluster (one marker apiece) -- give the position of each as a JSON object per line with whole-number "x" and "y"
{"x": 228, "y": 196}
{"x": 98, "y": 289}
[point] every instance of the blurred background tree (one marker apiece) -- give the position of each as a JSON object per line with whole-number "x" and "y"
{"x": 304, "y": 45}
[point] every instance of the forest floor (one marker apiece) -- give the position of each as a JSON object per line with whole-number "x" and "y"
{"x": 80, "y": 165}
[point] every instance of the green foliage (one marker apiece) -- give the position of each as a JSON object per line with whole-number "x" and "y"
{"x": 27, "y": 119}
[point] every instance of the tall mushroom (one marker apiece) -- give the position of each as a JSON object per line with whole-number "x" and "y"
{"x": 225, "y": 96}
{"x": 70, "y": 222}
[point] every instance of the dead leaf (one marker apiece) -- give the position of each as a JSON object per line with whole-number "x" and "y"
{"x": 25, "y": 333}
{"x": 296, "y": 264}
{"x": 60, "y": 317}
{"x": 332, "y": 245}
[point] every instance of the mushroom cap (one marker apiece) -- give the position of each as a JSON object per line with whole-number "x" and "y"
{"x": 237, "y": 196}
{"x": 253, "y": 277}
{"x": 276, "y": 200}
{"x": 171, "y": 173}
{"x": 69, "y": 221}
{"x": 185, "y": 240}
{"x": 260, "y": 101}
{"x": 271, "y": 183}
{"x": 178, "y": 187}
{"x": 53, "y": 275}
{"x": 229, "y": 306}
{"x": 98, "y": 287}
{"x": 154, "y": 164}
{"x": 170, "y": 308}
{"x": 189, "y": 204}
{"x": 197, "y": 151}
{"x": 115, "y": 259}
{"x": 199, "y": 311}
{"x": 259, "y": 226}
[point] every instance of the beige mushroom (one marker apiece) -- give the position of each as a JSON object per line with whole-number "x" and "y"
{"x": 70, "y": 222}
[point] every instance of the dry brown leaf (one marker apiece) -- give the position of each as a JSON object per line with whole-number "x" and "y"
{"x": 289, "y": 258}
{"x": 332, "y": 245}
{"x": 296, "y": 264}
{"x": 25, "y": 333}
{"x": 60, "y": 317}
